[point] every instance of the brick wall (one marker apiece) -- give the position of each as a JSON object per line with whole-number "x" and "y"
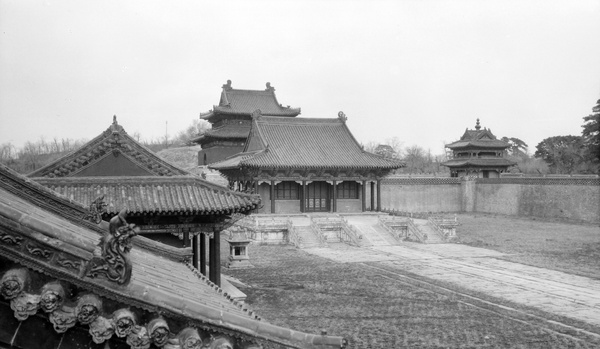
{"x": 421, "y": 194}
{"x": 570, "y": 198}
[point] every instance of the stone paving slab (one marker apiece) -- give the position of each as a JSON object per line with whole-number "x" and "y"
{"x": 351, "y": 255}
{"x": 478, "y": 269}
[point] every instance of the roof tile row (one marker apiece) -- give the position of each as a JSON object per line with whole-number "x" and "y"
{"x": 153, "y": 194}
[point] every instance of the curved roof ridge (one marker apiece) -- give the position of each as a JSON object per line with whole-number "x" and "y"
{"x": 114, "y": 138}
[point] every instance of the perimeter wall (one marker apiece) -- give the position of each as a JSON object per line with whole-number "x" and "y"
{"x": 570, "y": 198}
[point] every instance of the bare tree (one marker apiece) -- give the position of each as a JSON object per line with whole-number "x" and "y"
{"x": 415, "y": 158}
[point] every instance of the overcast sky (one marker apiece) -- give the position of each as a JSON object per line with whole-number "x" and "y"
{"x": 422, "y": 71}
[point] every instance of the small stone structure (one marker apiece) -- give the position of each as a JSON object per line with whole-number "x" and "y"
{"x": 238, "y": 249}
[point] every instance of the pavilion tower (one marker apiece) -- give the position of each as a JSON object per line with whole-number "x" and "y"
{"x": 478, "y": 153}
{"x": 231, "y": 120}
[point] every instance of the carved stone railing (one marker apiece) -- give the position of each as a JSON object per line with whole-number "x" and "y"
{"x": 402, "y": 228}
{"x": 350, "y": 235}
{"x": 272, "y": 224}
{"x": 293, "y": 237}
{"x": 257, "y": 226}
{"x": 314, "y": 227}
{"x": 445, "y": 227}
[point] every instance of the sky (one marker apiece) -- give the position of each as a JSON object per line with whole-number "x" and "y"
{"x": 420, "y": 71}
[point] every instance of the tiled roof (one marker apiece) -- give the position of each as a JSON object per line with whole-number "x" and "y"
{"x": 112, "y": 141}
{"x": 480, "y": 143}
{"x": 33, "y": 235}
{"x": 153, "y": 194}
{"x": 244, "y": 102}
{"x": 478, "y": 138}
{"x": 304, "y": 143}
{"x": 479, "y": 162}
{"x": 226, "y": 132}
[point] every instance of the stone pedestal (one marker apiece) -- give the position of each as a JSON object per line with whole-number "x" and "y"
{"x": 238, "y": 250}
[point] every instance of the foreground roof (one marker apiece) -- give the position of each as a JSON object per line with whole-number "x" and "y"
{"x": 113, "y": 142}
{"x": 245, "y": 102}
{"x": 478, "y": 138}
{"x": 65, "y": 250}
{"x": 153, "y": 194}
{"x": 276, "y": 142}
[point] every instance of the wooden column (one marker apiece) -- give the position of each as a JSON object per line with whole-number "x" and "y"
{"x": 202, "y": 253}
{"x": 303, "y": 197}
{"x": 196, "y": 251}
{"x": 215, "y": 258}
{"x": 272, "y": 196}
{"x": 186, "y": 238}
{"x": 372, "y": 196}
{"x": 255, "y": 187}
{"x": 364, "y": 196}
{"x": 378, "y": 195}
{"x": 334, "y": 208}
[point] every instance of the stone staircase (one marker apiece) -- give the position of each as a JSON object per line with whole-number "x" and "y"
{"x": 426, "y": 229}
{"x": 308, "y": 237}
{"x": 376, "y": 235}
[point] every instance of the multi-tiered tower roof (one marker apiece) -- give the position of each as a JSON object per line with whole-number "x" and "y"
{"x": 231, "y": 120}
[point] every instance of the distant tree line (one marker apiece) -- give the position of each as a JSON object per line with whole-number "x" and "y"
{"x": 418, "y": 160}
{"x": 36, "y": 154}
{"x": 574, "y": 154}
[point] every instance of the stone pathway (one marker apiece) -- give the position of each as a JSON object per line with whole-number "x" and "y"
{"x": 478, "y": 269}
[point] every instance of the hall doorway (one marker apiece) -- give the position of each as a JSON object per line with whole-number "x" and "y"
{"x": 317, "y": 199}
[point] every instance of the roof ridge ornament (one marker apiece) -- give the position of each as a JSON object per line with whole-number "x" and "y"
{"x": 342, "y": 117}
{"x": 96, "y": 209}
{"x": 269, "y": 87}
{"x": 256, "y": 115}
{"x": 114, "y": 263}
{"x": 227, "y": 86}
{"x": 477, "y": 126}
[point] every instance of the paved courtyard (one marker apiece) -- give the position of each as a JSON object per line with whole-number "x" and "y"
{"x": 478, "y": 269}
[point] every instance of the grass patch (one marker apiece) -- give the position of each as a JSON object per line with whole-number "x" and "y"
{"x": 568, "y": 247}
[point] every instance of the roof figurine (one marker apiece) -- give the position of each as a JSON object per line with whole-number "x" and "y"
{"x": 478, "y": 152}
{"x": 230, "y": 120}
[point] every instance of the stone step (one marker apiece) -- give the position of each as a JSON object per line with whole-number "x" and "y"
{"x": 308, "y": 238}
{"x": 376, "y": 235}
{"x": 432, "y": 235}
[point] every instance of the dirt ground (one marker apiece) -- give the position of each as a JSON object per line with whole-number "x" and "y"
{"x": 375, "y": 308}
